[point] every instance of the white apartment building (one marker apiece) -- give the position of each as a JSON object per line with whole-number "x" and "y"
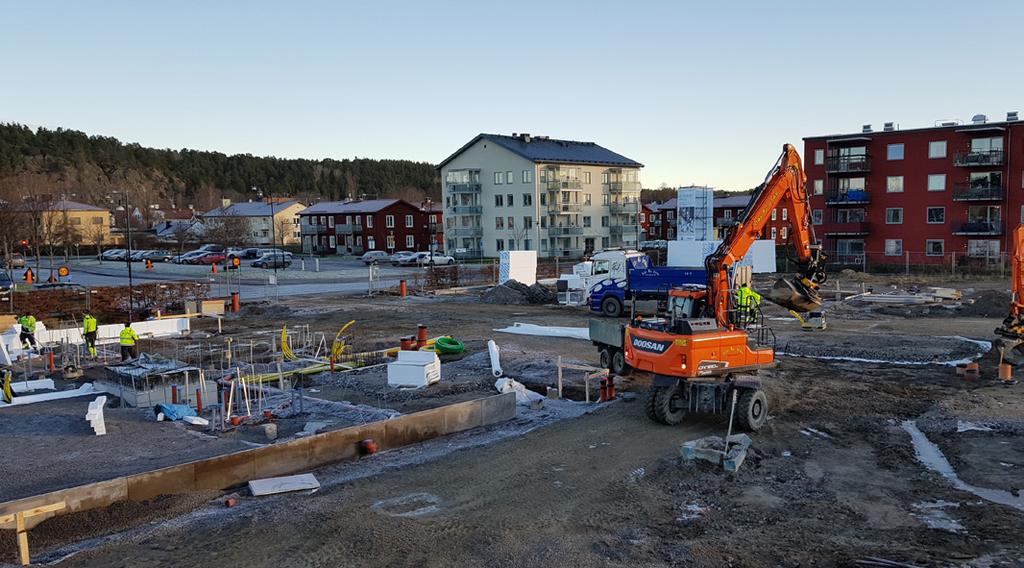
{"x": 558, "y": 197}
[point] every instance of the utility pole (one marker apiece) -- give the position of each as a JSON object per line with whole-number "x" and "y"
{"x": 128, "y": 255}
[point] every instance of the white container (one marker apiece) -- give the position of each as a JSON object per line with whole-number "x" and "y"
{"x": 414, "y": 369}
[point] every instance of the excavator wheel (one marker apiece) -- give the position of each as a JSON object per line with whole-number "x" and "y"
{"x": 751, "y": 410}
{"x": 619, "y": 366}
{"x": 666, "y": 405}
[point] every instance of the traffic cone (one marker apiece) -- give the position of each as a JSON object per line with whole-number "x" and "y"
{"x": 214, "y": 265}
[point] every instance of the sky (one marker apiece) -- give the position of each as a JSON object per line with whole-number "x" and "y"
{"x": 699, "y": 92}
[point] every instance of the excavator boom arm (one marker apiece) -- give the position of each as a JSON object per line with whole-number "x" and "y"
{"x": 785, "y": 185}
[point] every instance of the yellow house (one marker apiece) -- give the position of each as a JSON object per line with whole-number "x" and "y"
{"x": 69, "y": 222}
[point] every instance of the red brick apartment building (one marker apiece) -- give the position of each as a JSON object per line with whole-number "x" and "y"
{"x": 727, "y": 210}
{"x": 952, "y": 193}
{"x": 355, "y": 227}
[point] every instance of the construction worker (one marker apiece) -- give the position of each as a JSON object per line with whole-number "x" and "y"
{"x": 89, "y": 327}
{"x": 28, "y": 331}
{"x": 128, "y": 340}
{"x": 749, "y": 303}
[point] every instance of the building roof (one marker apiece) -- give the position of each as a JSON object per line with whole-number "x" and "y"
{"x": 435, "y": 207}
{"x": 250, "y": 209}
{"x": 966, "y": 127}
{"x": 664, "y": 205}
{"x": 732, "y": 201}
{"x": 348, "y": 207}
{"x": 66, "y": 205}
{"x": 549, "y": 150}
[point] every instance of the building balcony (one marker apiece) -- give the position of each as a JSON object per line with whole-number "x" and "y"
{"x": 980, "y": 228}
{"x": 847, "y": 197}
{"x": 312, "y": 229}
{"x": 464, "y": 188}
{"x": 625, "y": 208}
{"x": 564, "y": 208}
{"x": 620, "y": 229}
{"x": 564, "y": 185}
{"x": 467, "y": 209}
{"x": 725, "y": 222}
{"x": 855, "y": 228}
{"x": 975, "y": 192}
{"x": 847, "y": 164}
{"x": 567, "y": 252}
{"x": 564, "y": 231}
{"x": 622, "y": 186}
{"x": 465, "y": 232}
{"x": 971, "y": 158}
{"x": 343, "y": 229}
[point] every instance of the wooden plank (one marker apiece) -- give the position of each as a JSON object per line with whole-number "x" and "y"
{"x": 272, "y": 485}
{"x": 32, "y": 512}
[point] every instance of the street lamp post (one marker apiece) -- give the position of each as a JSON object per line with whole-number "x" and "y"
{"x": 273, "y": 229}
{"x": 128, "y": 255}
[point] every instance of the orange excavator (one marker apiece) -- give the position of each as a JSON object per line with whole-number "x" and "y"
{"x": 705, "y": 351}
{"x": 1011, "y": 332}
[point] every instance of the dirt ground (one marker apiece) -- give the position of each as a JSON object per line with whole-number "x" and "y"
{"x": 831, "y": 480}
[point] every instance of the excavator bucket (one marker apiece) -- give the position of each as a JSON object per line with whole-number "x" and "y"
{"x": 794, "y": 295}
{"x": 1011, "y": 350}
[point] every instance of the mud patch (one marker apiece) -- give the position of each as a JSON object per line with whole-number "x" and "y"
{"x": 411, "y": 505}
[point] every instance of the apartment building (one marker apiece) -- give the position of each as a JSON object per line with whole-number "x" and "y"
{"x": 924, "y": 195}
{"x": 355, "y": 227}
{"x": 559, "y": 197}
{"x": 264, "y": 222}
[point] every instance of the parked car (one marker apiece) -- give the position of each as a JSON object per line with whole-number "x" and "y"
{"x": 275, "y": 251}
{"x": 158, "y": 255}
{"x": 253, "y": 252}
{"x": 273, "y": 260}
{"x": 374, "y": 256}
{"x": 112, "y": 254}
{"x": 209, "y": 258}
{"x": 186, "y": 257}
{"x": 432, "y": 259}
{"x": 232, "y": 252}
{"x": 5, "y": 281}
{"x": 17, "y": 260}
{"x": 402, "y": 257}
{"x": 137, "y": 255}
{"x": 211, "y": 248}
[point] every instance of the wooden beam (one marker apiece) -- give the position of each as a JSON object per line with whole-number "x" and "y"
{"x": 19, "y": 520}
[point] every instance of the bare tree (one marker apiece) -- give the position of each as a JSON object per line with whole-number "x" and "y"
{"x": 228, "y": 231}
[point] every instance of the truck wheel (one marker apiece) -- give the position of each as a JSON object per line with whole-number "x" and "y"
{"x": 611, "y": 307}
{"x": 619, "y": 366}
{"x": 606, "y": 359}
{"x": 751, "y": 410}
{"x": 665, "y": 405}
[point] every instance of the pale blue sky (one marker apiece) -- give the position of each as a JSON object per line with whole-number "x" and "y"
{"x": 700, "y": 92}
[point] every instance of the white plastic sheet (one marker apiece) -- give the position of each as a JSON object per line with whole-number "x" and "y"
{"x": 524, "y": 395}
{"x": 547, "y": 331}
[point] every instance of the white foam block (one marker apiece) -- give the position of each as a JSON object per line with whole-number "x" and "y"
{"x": 196, "y": 420}
{"x": 272, "y": 485}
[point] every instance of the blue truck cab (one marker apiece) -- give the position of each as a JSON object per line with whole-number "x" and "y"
{"x": 629, "y": 275}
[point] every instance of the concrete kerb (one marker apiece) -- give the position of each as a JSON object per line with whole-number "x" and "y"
{"x": 303, "y": 454}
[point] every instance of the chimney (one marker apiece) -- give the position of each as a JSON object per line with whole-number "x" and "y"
{"x": 1012, "y": 116}
{"x": 866, "y": 129}
{"x": 979, "y": 119}
{"x": 889, "y": 126}
{"x": 225, "y": 202}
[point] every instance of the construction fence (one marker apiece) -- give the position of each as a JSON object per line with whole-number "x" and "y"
{"x": 954, "y": 264}
{"x": 476, "y": 274}
{"x": 108, "y": 303}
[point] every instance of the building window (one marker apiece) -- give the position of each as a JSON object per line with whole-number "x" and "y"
{"x": 894, "y": 216}
{"x": 936, "y": 215}
{"x": 727, "y": 214}
{"x": 389, "y": 222}
{"x": 587, "y": 199}
{"x": 605, "y": 242}
{"x": 509, "y": 177}
{"x": 97, "y": 220}
{"x": 369, "y": 221}
{"x": 333, "y": 243}
{"x": 774, "y": 233}
{"x": 75, "y": 220}
{"x": 935, "y": 247}
{"x": 605, "y": 199}
{"x": 604, "y": 221}
{"x": 499, "y": 178}
{"x": 499, "y": 200}
{"x": 511, "y": 223}
{"x": 410, "y": 242}
{"x": 937, "y": 149}
{"x": 784, "y": 232}
{"x": 816, "y": 216}
{"x": 408, "y": 221}
{"x": 819, "y": 157}
{"x": 544, "y": 199}
{"x": 586, "y": 178}
{"x": 348, "y": 219}
{"x": 527, "y": 176}
{"x": 819, "y": 186}
{"x": 433, "y": 218}
{"x": 785, "y": 214}
{"x": 587, "y": 221}
{"x": 499, "y": 244}
{"x": 391, "y": 242}
{"x": 508, "y": 200}
{"x": 894, "y": 152}
{"x": 499, "y": 223}
{"x": 371, "y": 242}
{"x": 894, "y": 184}
{"x": 893, "y": 247}
{"x": 936, "y": 182}
{"x": 527, "y": 200}
{"x": 775, "y": 214}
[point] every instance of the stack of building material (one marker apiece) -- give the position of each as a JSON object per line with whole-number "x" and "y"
{"x": 414, "y": 369}
{"x": 95, "y": 415}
